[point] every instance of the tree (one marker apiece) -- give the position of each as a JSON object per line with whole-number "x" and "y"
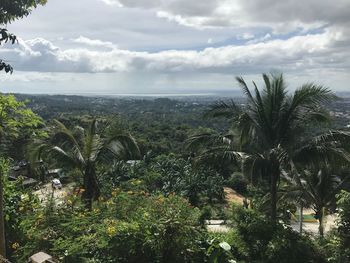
{"x": 11, "y": 10}
{"x": 85, "y": 149}
{"x": 317, "y": 187}
{"x": 319, "y": 172}
{"x": 13, "y": 116}
{"x": 270, "y": 126}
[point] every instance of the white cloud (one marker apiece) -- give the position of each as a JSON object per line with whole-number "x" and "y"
{"x": 94, "y": 42}
{"x": 111, "y": 2}
{"x": 245, "y": 36}
{"x": 282, "y": 16}
{"x": 169, "y": 40}
{"x": 261, "y": 39}
{"x": 323, "y": 50}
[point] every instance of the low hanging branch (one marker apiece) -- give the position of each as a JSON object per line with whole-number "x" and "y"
{"x": 6, "y": 37}
{"x": 7, "y": 67}
{"x": 11, "y": 10}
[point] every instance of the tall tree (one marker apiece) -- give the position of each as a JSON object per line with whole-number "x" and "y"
{"x": 270, "y": 126}
{"x": 85, "y": 149}
{"x": 13, "y": 116}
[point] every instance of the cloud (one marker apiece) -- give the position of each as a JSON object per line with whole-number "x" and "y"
{"x": 261, "y": 39}
{"x": 111, "y": 2}
{"x": 94, "y": 42}
{"x": 328, "y": 49}
{"x": 245, "y": 36}
{"x": 282, "y": 16}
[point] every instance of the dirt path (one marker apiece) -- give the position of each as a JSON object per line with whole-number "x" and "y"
{"x": 231, "y": 196}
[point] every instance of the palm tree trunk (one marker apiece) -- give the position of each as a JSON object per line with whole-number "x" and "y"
{"x": 301, "y": 217}
{"x": 92, "y": 190}
{"x": 321, "y": 222}
{"x": 2, "y": 218}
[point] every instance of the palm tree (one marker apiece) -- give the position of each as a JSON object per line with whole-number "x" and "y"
{"x": 269, "y": 126}
{"x": 317, "y": 187}
{"x": 84, "y": 149}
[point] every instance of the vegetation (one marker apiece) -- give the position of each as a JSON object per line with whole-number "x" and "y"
{"x": 147, "y": 196}
{"x": 14, "y": 117}
{"x": 142, "y": 178}
{"x": 270, "y": 128}
{"x": 128, "y": 227}
{"x": 84, "y": 149}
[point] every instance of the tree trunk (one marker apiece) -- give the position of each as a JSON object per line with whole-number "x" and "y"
{"x": 273, "y": 193}
{"x": 92, "y": 190}
{"x": 321, "y": 222}
{"x": 2, "y": 217}
{"x": 301, "y": 217}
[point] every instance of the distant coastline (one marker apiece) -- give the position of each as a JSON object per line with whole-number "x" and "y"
{"x": 214, "y": 94}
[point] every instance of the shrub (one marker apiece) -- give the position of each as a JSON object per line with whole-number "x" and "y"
{"x": 256, "y": 239}
{"x": 129, "y": 227}
{"x": 171, "y": 174}
{"x": 18, "y": 200}
{"x": 238, "y": 182}
{"x": 338, "y": 242}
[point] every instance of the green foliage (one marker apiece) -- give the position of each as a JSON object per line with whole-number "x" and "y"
{"x": 171, "y": 174}
{"x": 344, "y": 215}
{"x": 269, "y": 131}
{"x": 338, "y": 242}
{"x": 85, "y": 149}
{"x": 178, "y": 176}
{"x": 18, "y": 201}
{"x": 255, "y": 239}
{"x": 129, "y": 227}
{"x": 14, "y": 116}
{"x": 317, "y": 187}
{"x": 145, "y": 213}
{"x": 219, "y": 252}
{"x": 238, "y": 182}
{"x": 166, "y": 174}
{"x": 11, "y": 10}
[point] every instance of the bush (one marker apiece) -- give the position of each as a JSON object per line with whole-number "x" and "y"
{"x": 165, "y": 174}
{"x": 129, "y": 227}
{"x": 171, "y": 174}
{"x": 238, "y": 182}
{"x": 256, "y": 239}
{"x": 338, "y": 242}
{"x": 18, "y": 200}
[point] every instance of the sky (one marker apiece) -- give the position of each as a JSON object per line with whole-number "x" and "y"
{"x": 177, "y": 46}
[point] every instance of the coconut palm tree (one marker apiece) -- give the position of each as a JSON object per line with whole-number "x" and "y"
{"x": 269, "y": 127}
{"x": 317, "y": 187}
{"x": 85, "y": 149}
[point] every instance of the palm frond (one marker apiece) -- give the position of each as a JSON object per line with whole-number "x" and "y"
{"x": 124, "y": 144}
{"x": 310, "y": 95}
{"x": 223, "y": 109}
{"x": 245, "y": 89}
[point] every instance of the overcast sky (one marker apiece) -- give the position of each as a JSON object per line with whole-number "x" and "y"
{"x": 177, "y": 46}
